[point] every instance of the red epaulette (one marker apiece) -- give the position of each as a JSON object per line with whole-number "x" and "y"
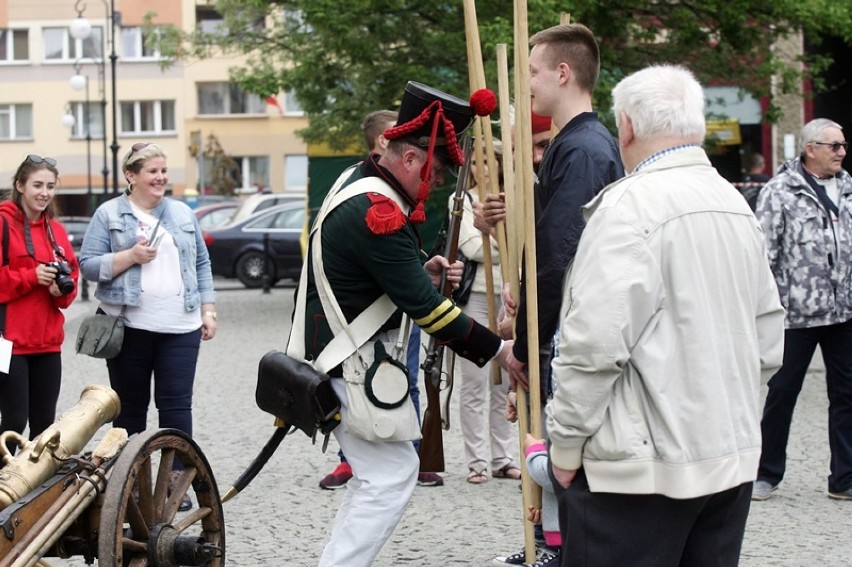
{"x": 384, "y": 216}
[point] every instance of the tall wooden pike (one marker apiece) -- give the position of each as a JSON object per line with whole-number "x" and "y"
{"x": 524, "y": 187}
{"x": 483, "y": 148}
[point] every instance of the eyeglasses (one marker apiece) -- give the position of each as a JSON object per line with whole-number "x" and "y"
{"x": 835, "y": 146}
{"x": 38, "y": 159}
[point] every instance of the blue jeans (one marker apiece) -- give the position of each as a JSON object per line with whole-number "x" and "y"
{"x": 413, "y": 364}
{"x": 835, "y": 342}
{"x": 171, "y": 358}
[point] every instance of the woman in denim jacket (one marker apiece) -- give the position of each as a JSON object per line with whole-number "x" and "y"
{"x": 146, "y": 252}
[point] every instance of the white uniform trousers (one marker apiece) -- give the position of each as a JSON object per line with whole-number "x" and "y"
{"x": 384, "y": 477}
{"x": 488, "y": 436}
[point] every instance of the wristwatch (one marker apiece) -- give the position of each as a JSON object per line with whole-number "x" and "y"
{"x": 209, "y": 314}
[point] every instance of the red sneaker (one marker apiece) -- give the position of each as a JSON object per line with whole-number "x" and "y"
{"x": 337, "y": 478}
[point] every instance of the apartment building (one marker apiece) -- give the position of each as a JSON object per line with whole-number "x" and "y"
{"x": 178, "y": 106}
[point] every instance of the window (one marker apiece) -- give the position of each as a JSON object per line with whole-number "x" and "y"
{"x": 133, "y": 45}
{"x": 295, "y": 173}
{"x": 255, "y": 173}
{"x": 228, "y": 98}
{"x": 95, "y": 120}
{"x": 252, "y": 174}
{"x": 291, "y": 105}
{"x": 59, "y": 45}
{"x": 148, "y": 116}
{"x": 14, "y": 45}
{"x": 16, "y": 121}
{"x": 208, "y": 20}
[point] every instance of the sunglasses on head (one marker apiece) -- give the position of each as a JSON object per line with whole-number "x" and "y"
{"x": 38, "y": 159}
{"x": 835, "y": 146}
{"x": 139, "y": 146}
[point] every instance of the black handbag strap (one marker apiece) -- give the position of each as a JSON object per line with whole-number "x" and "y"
{"x": 5, "y": 261}
{"x": 822, "y": 195}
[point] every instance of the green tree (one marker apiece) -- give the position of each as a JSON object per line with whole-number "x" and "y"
{"x": 344, "y": 59}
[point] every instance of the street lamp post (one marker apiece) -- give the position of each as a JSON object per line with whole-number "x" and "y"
{"x": 81, "y": 29}
{"x": 79, "y": 82}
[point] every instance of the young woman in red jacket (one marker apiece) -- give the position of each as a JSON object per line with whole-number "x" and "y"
{"x": 38, "y": 277}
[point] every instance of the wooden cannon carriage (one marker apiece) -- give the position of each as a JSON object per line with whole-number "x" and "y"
{"x": 117, "y": 504}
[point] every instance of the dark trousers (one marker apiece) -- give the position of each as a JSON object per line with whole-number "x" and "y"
{"x": 172, "y": 359}
{"x": 835, "y": 342}
{"x": 605, "y": 529}
{"x": 29, "y": 393}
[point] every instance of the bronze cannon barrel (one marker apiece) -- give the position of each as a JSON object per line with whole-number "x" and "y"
{"x": 40, "y": 458}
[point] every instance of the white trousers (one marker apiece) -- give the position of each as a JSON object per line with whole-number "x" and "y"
{"x": 383, "y": 479}
{"x": 488, "y": 436}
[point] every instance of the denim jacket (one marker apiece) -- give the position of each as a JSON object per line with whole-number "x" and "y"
{"x": 113, "y": 229}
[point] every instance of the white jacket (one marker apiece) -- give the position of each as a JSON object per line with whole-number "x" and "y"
{"x": 470, "y": 243}
{"x": 671, "y": 319}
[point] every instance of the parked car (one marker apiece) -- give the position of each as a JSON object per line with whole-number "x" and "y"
{"x": 76, "y": 229}
{"x": 216, "y": 214}
{"x": 237, "y": 249}
{"x": 262, "y": 201}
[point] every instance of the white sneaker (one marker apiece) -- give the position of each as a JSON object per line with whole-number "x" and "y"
{"x": 762, "y": 490}
{"x": 518, "y": 558}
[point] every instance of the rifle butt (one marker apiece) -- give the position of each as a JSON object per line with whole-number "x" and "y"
{"x": 431, "y": 449}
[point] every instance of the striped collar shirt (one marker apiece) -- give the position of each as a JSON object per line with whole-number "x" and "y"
{"x": 661, "y": 154}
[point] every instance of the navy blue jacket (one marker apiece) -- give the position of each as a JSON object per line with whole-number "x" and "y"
{"x": 581, "y": 160}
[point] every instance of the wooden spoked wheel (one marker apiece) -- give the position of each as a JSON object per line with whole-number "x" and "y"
{"x": 140, "y": 523}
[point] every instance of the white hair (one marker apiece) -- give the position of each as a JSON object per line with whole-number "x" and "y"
{"x": 812, "y": 132}
{"x": 661, "y": 99}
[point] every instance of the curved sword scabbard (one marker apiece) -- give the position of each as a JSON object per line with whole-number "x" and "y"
{"x": 257, "y": 464}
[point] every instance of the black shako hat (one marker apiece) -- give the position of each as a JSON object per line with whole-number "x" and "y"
{"x": 418, "y": 113}
{"x": 432, "y": 120}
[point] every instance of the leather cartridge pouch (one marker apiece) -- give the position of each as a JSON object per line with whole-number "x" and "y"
{"x": 295, "y": 392}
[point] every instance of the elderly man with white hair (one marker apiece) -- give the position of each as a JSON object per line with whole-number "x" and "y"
{"x": 806, "y": 212}
{"x": 670, "y": 319}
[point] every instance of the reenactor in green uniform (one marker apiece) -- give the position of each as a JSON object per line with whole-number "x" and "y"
{"x": 370, "y": 247}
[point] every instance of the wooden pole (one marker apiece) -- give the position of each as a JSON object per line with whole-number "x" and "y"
{"x": 509, "y": 254}
{"x": 483, "y": 148}
{"x": 524, "y": 184}
{"x": 524, "y": 180}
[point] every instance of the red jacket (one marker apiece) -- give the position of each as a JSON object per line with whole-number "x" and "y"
{"x": 34, "y": 322}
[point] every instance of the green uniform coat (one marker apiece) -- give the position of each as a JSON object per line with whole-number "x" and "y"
{"x": 362, "y": 265}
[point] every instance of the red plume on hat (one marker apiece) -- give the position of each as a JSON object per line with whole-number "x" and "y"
{"x": 445, "y": 114}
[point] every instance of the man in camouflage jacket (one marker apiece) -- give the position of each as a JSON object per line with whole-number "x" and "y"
{"x": 806, "y": 213}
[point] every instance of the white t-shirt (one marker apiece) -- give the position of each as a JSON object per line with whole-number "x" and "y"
{"x": 163, "y": 308}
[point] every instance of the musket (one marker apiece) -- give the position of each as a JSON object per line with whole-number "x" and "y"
{"x": 432, "y": 444}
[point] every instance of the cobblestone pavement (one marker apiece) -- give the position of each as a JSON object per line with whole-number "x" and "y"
{"x": 283, "y": 517}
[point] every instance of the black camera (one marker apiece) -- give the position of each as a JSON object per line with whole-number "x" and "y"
{"x": 63, "y": 276}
